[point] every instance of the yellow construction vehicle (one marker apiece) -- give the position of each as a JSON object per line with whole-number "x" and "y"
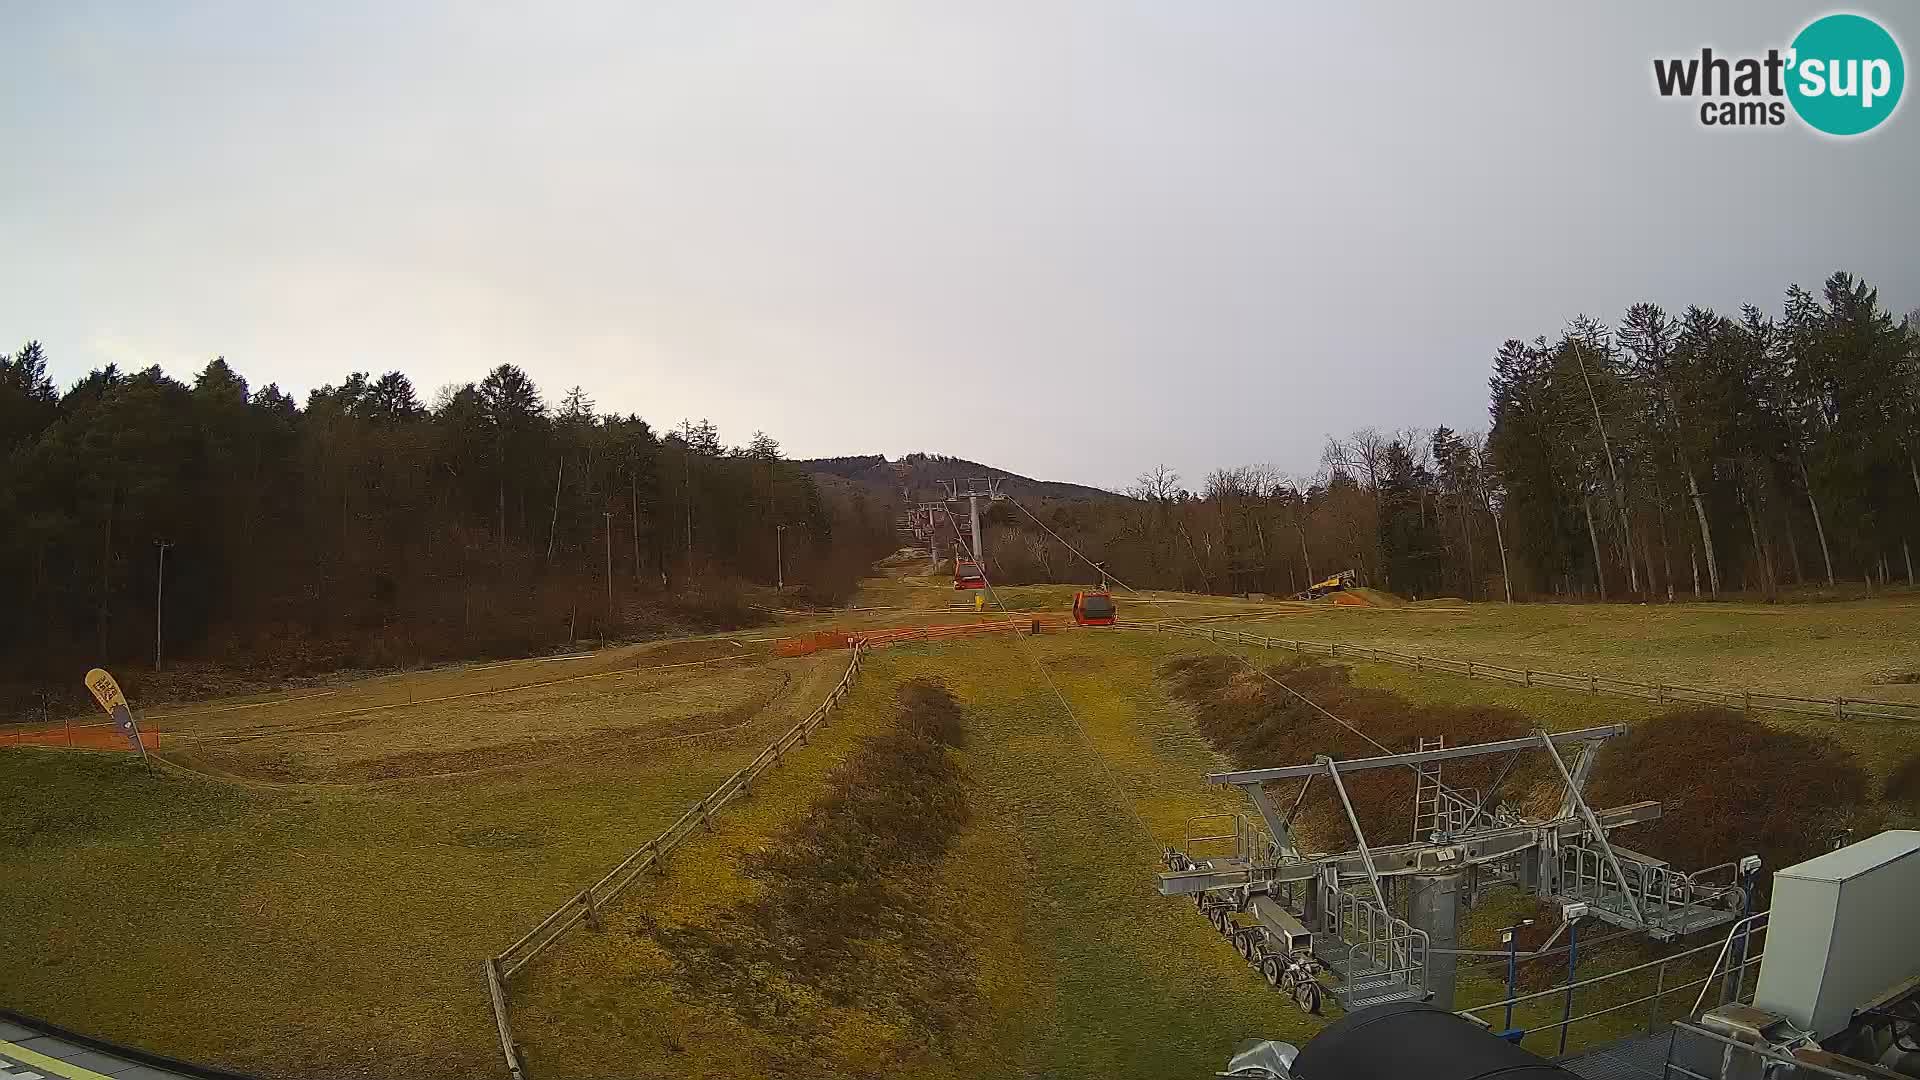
{"x": 1339, "y": 582}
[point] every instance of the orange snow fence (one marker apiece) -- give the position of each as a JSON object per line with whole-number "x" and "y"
{"x": 77, "y": 736}
{"x": 807, "y": 644}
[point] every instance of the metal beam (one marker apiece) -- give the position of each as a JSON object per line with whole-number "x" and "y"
{"x": 1359, "y": 837}
{"x": 1599, "y": 834}
{"x": 1276, "y": 825}
{"x": 1399, "y": 859}
{"x": 1417, "y": 757}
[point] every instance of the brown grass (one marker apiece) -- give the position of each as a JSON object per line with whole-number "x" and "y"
{"x": 838, "y": 916}
{"x": 1903, "y": 787}
{"x": 1259, "y": 725}
{"x": 1732, "y": 786}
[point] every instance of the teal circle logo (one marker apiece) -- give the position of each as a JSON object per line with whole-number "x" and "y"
{"x": 1846, "y": 75}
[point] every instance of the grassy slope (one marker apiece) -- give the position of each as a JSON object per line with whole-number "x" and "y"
{"x": 337, "y": 932}
{"x": 1880, "y": 745}
{"x": 322, "y": 932}
{"x": 1819, "y": 650}
{"x": 1087, "y": 971}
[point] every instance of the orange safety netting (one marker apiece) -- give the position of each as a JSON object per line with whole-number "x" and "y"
{"x": 77, "y": 736}
{"x": 807, "y": 644}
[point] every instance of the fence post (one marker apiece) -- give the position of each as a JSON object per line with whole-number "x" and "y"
{"x": 706, "y": 814}
{"x": 1593, "y": 686}
{"x": 593, "y": 913}
{"x": 1659, "y": 987}
{"x": 1526, "y": 677}
{"x": 1469, "y": 669}
{"x": 1660, "y": 693}
{"x": 1746, "y": 702}
{"x": 1839, "y": 708}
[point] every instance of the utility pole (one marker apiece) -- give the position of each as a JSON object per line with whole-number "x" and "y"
{"x": 779, "y": 558}
{"x": 608, "y": 514}
{"x": 159, "y": 597}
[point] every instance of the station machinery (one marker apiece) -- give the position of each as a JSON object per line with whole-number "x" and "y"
{"x": 1379, "y": 924}
{"x": 1838, "y": 998}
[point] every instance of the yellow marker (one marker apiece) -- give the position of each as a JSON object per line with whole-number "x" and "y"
{"x": 105, "y": 690}
{"x": 979, "y": 604}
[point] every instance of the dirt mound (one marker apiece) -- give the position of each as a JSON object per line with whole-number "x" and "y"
{"x": 1258, "y": 724}
{"x": 1731, "y": 786}
{"x": 1373, "y": 598}
{"x": 1439, "y": 602}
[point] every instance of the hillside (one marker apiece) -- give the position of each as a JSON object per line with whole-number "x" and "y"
{"x": 920, "y": 475}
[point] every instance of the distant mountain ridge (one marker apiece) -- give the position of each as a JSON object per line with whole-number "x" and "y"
{"x": 920, "y": 475}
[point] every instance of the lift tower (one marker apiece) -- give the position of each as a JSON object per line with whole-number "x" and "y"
{"x": 979, "y": 487}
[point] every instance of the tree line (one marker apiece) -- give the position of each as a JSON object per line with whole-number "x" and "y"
{"x": 367, "y": 527}
{"x": 1666, "y": 457}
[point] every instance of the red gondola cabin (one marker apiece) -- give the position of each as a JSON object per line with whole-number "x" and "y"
{"x": 967, "y": 575}
{"x": 1093, "y": 608}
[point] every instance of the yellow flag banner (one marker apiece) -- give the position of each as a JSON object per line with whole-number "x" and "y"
{"x": 107, "y": 692}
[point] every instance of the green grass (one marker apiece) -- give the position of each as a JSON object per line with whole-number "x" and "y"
{"x": 309, "y": 932}
{"x": 1086, "y": 971}
{"x": 337, "y": 930}
{"x": 1861, "y": 648}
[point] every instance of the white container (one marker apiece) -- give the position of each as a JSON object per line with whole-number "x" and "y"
{"x": 1844, "y": 928}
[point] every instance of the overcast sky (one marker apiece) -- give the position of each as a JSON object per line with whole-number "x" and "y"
{"x": 1068, "y": 239}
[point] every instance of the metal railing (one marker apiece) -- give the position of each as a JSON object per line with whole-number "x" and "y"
{"x": 586, "y": 905}
{"x": 1747, "y": 930}
{"x": 1252, "y": 843}
{"x": 1661, "y": 891}
{"x": 1381, "y": 946}
{"x": 1725, "y": 1056}
{"x": 1835, "y": 708}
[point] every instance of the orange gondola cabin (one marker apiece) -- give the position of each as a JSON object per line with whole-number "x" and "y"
{"x": 967, "y": 575}
{"x": 1093, "y": 609}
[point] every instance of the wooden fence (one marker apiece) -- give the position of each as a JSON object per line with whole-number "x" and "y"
{"x": 586, "y": 905}
{"x": 1835, "y": 708}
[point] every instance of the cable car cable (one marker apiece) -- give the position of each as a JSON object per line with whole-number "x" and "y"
{"x": 1063, "y": 543}
{"x": 1119, "y": 794}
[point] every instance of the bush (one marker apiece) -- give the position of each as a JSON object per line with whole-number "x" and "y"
{"x": 1732, "y": 786}
{"x": 1260, "y": 725}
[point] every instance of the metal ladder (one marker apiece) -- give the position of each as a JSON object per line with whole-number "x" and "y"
{"x": 1436, "y": 807}
{"x": 1426, "y": 791}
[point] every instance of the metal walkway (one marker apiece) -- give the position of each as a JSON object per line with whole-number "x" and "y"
{"x": 31, "y": 1050}
{"x": 1640, "y": 1058}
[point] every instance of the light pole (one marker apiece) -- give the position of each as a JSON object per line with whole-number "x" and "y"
{"x": 608, "y": 514}
{"x": 159, "y": 597}
{"x": 779, "y": 557}
{"x": 1511, "y": 939}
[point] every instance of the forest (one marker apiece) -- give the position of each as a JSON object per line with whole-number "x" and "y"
{"x": 367, "y": 528}
{"x": 1664, "y": 457}
{"x": 1667, "y": 457}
